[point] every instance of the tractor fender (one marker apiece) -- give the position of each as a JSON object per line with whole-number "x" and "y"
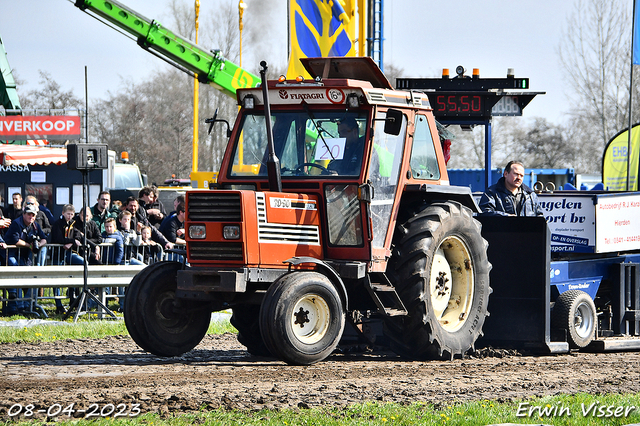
{"x": 328, "y": 271}
{"x": 441, "y": 193}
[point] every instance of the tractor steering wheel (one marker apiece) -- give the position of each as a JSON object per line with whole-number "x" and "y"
{"x": 319, "y": 166}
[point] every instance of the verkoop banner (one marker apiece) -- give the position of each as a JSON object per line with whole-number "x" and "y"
{"x": 40, "y": 127}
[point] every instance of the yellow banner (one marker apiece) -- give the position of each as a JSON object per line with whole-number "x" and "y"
{"x": 614, "y": 162}
{"x": 320, "y": 28}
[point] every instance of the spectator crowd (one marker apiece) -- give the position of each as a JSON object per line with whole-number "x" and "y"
{"x": 137, "y": 231}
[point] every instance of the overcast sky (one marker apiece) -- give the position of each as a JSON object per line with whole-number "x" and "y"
{"x": 421, "y": 37}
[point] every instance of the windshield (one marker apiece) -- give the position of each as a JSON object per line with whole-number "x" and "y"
{"x": 127, "y": 176}
{"x": 307, "y": 143}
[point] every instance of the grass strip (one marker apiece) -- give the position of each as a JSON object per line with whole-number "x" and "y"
{"x": 580, "y": 409}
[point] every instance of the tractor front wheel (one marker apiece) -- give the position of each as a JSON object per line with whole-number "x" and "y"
{"x": 302, "y": 318}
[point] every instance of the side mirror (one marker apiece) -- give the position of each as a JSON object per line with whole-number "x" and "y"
{"x": 393, "y": 122}
{"x": 213, "y": 120}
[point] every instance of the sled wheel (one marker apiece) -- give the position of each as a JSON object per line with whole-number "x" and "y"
{"x": 301, "y": 318}
{"x": 575, "y": 312}
{"x": 246, "y": 319}
{"x": 157, "y": 321}
{"x": 440, "y": 269}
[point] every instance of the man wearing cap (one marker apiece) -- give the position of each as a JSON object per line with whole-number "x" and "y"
{"x": 28, "y": 237}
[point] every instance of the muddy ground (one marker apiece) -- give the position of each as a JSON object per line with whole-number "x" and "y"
{"x": 92, "y": 374}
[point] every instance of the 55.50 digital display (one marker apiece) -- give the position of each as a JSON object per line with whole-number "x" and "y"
{"x": 457, "y": 105}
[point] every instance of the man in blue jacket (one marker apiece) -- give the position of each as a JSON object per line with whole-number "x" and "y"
{"x": 510, "y": 196}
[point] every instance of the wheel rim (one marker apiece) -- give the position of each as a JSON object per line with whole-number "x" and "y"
{"x": 583, "y": 320}
{"x": 451, "y": 283}
{"x": 166, "y": 317}
{"x": 310, "y": 319}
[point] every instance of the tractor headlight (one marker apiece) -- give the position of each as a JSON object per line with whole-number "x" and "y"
{"x": 231, "y": 232}
{"x": 198, "y": 232}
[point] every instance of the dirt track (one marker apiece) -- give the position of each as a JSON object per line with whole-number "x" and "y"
{"x": 219, "y": 373}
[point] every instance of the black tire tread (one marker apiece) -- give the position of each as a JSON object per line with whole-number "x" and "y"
{"x": 413, "y": 336}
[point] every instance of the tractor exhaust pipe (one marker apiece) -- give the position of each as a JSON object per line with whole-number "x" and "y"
{"x": 273, "y": 163}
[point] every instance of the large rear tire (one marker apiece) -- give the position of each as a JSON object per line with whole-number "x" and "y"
{"x": 575, "y": 312}
{"x": 246, "y": 319}
{"x": 302, "y": 318}
{"x": 440, "y": 269}
{"x": 156, "y": 320}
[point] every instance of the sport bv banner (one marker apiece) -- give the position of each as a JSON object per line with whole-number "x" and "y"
{"x": 59, "y": 127}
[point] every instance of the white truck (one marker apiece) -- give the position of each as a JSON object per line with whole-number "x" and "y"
{"x": 122, "y": 179}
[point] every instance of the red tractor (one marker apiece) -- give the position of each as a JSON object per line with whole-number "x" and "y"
{"x": 332, "y": 207}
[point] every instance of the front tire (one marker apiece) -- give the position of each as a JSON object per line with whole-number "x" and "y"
{"x": 156, "y": 320}
{"x": 440, "y": 269}
{"x": 575, "y": 312}
{"x": 302, "y": 318}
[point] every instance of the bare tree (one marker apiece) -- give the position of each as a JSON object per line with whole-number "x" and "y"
{"x": 392, "y": 72}
{"x": 544, "y": 146}
{"x": 220, "y": 30}
{"x": 50, "y": 96}
{"x": 594, "y": 53}
{"x": 152, "y": 121}
{"x": 536, "y": 143}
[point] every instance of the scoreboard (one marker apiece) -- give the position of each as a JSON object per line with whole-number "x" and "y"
{"x": 472, "y": 98}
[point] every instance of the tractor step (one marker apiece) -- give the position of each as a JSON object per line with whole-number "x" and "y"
{"x": 382, "y": 287}
{"x": 384, "y": 295}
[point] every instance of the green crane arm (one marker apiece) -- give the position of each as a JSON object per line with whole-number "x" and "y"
{"x": 8, "y": 93}
{"x": 211, "y": 68}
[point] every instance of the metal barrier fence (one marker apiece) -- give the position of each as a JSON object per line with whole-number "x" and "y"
{"x": 52, "y": 267}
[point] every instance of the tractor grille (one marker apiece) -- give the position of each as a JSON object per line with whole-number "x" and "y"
{"x": 282, "y": 232}
{"x": 215, "y": 251}
{"x": 214, "y": 207}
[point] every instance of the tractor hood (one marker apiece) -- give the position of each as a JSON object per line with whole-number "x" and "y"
{"x": 355, "y": 68}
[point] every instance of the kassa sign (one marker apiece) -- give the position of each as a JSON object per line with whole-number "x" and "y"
{"x": 60, "y": 127}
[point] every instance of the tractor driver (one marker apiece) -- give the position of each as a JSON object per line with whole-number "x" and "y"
{"x": 350, "y": 163}
{"x": 510, "y": 196}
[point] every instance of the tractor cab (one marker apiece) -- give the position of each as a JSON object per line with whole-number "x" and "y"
{"x": 340, "y": 140}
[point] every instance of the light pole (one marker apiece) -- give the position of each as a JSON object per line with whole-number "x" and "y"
{"x": 196, "y": 86}
{"x": 241, "y": 7}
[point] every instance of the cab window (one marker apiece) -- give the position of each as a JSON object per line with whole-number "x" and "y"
{"x": 384, "y": 171}
{"x": 424, "y": 162}
{"x": 308, "y": 144}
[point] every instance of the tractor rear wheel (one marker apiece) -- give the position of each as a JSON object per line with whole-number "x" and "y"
{"x": 246, "y": 319}
{"x": 440, "y": 269}
{"x": 156, "y": 320}
{"x": 575, "y": 312}
{"x": 302, "y": 318}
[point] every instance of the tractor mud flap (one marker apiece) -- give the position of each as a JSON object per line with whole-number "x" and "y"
{"x": 519, "y": 307}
